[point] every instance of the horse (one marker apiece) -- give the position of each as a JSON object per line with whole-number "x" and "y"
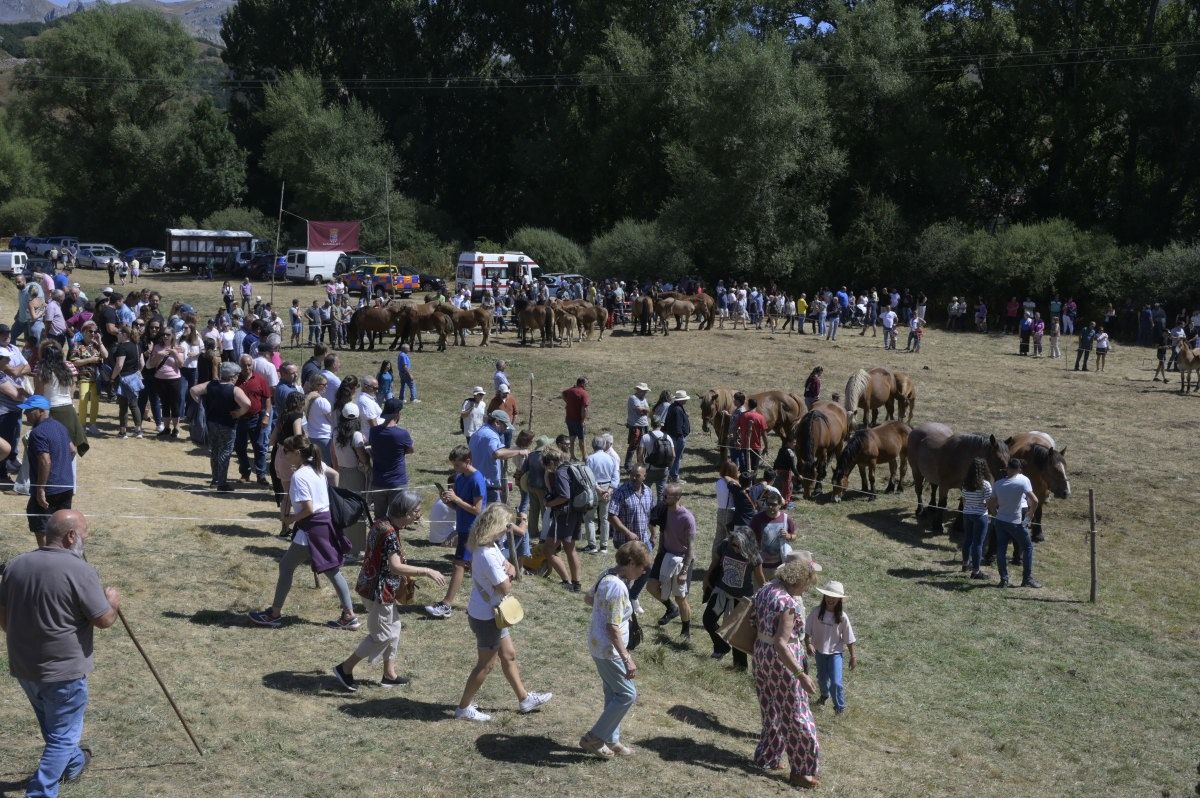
{"x": 538, "y": 318}
{"x": 568, "y": 326}
{"x": 716, "y": 405}
{"x": 880, "y": 387}
{"x": 468, "y": 320}
{"x": 940, "y": 457}
{"x": 820, "y": 435}
{"x": 589, "y": 316}
{"x": 705, "y": 306}
{"x": 643, "y": 316}
{"x": 680, "y": 309}
{"x": 1046, "y": 468}
{"x": 1189, "y": 361}
{"x": 866, "y": 448}
{"x": 781, "y": 410}
{"x": 412, "y": 320}
{"x": 372, "y": 321}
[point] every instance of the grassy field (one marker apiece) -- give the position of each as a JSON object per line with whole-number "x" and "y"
{"x": 962, "y": 688}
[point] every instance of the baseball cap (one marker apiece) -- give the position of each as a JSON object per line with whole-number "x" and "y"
{"x": 4, "y": 328}
{"x": 349, "y": 410}
{"x": 35, "y": 402}
{"x": 392, "y": 407}
{"x": 505, "y": 389}
{"x": 502, "y": 417}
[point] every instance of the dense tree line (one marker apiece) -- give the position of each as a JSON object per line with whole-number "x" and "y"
{"x": 970, "y": 147}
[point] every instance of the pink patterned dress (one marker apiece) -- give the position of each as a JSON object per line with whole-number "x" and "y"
{"x": 787, "y": 721}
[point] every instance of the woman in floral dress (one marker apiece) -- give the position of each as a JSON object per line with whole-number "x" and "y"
{"x": 783, "y": 686}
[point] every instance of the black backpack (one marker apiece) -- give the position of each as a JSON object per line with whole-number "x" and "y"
{"x": 346, "y": 508}
{"x": 660, "y": 454}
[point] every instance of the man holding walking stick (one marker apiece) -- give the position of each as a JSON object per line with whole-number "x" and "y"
{"x": 50, "y": 600}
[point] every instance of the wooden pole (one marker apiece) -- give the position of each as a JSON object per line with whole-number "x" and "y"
{"x": 158, "y": 679}
{"x": 1092, "y": 540}
{"x": 512, "y": 550}
{"x": 275, "y": 254}
{"x": 529, "y": 424}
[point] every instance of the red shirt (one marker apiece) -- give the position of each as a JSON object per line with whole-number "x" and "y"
{"x": 577, "y": 401}
{"x": 256, "y": 390}
{"x": 751, "y": 429}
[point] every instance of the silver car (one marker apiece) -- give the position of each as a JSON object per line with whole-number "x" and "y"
{"x": 96, "y": 256}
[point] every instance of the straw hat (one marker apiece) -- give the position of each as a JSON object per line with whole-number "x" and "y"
{"x": 641, "y": 386}
{"x": 680, "y": 396}
{"x": 833, "y": 589}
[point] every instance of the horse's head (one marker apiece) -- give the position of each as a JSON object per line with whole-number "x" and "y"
{"x": 841, "y": 474}
{"x": 997, "y": 455}
{"x": 708, "y": 401}
{"x": 1056, "y": 474}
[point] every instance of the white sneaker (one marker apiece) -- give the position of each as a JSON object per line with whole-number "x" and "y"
{"x": 637, "y": 607}
{"x": 159, "y": 428}
{"x": 472, "y": 713}
{"x": 439, "y": 610}
{"x": 533, "y": 701}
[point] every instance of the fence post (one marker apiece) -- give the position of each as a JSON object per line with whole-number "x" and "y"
{"x": 1092, "y": 540}
{"x": 529, "y": 425}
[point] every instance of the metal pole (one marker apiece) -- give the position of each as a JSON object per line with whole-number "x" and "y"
{"x": 275, "y": 254}
{"x": 1092, "y": 540}
{"x": 158, "y": 679}
{"x": 387, "y": 209}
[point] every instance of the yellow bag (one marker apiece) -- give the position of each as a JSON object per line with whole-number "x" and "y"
{"x": 509, "y": 612}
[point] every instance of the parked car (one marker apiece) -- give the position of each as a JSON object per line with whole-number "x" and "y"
{"x": 63, "y": 242}
{"x": 96, "y": 256}
{"x": 152, "y": 260}
{"x": 384, "y": 278}
{"x": 33, "y": 246}
{"x": 353, "y": 261}
{"x": 17, "y": 242}
{"x": 13, "y": 263}
{"x": 238, "y": 263}
{"x": 260, "y": 266}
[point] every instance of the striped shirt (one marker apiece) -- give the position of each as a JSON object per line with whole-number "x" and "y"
{"x": 975, "y": 501}
{"x": 633, "y": 509}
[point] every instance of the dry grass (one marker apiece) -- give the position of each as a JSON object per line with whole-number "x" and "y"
{"x": 963, "y": 688}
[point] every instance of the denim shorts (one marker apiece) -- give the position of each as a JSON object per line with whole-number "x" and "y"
{"x": 487, "y": 636}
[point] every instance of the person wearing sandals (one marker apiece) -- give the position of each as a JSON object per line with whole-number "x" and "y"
{"x": 382, "y": 585}
{"x": 608, "y": 639}
{"x": 314, "y": 537}
{"x": 779, "y": 678}
{"x": 491, "y": 581}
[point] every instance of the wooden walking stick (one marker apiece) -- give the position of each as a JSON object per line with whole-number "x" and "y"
{"x": 158, "y": 679}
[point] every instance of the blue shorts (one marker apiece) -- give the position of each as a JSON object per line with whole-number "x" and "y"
{"x": 296, "y": 328}
{"x": 575, "y": 429}
{"x": 461, "y": 552}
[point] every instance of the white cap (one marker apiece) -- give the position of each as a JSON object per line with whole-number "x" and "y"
{"x": 504, "y": 389}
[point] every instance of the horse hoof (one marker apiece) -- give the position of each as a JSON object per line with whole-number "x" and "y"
{"x": 837, "y": 499}
{"x": 1037, "y": 537}
{"x": 872, "y": 497}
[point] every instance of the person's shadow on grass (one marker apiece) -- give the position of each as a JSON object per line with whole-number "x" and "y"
{"x": 705, "y": 755}
{"x": 706, "y": 720}
{"x": 528, "y": 749}
{"x": 397, "y": 708}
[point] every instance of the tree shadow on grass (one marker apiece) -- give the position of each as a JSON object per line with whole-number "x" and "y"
{"x": 528, "y": 749}
{"x": 705, "y": 755}
{"x": 203, "y": 490}
{"x": 889, "y": 521}
{"x": 706, "y": 720}
{"x": 227, "y": 619}
{"x": 398, "y": 708}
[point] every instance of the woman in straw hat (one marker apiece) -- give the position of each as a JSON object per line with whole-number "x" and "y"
{"x": 783, "y": 686}
{"x": 827, "y": 634}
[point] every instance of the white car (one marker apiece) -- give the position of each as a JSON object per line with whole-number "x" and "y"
{"x": 96, "y": 256}
{"x": 152, "y": 260}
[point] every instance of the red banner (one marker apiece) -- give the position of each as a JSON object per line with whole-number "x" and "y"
{"x": 326, "y": 236}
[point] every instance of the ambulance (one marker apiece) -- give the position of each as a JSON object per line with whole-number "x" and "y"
{"x": 476, "y": 270}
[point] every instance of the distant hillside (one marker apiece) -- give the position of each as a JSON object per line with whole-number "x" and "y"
{"x": 200, "y": 18}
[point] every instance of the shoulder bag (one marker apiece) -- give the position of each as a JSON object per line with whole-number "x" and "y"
{"x": 737, "y": 627}
{"x": 509, "y": 612}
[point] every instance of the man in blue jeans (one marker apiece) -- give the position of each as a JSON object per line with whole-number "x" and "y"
{"x": 1011, "y": 502}
{"x": 50, "y": 600}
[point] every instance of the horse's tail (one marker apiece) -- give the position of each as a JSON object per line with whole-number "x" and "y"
{"x": 809, "y": 454}
{"x": 855, "y": 386}
{"x": 849, "y": 455}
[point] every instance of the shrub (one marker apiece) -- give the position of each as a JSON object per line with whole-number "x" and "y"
{"x": 552, "y": 251}
{"x": 636, "y": 250}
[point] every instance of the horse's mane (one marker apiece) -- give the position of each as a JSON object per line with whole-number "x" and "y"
{"x": 854, "y": 389}
{"x": 806, "y": 425}
{"x": 849, "y": 454}
{"x": 975, "y": 439}
{"x": 1041, "y": 456}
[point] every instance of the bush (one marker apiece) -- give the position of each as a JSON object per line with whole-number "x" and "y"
{"x": 251, "y": 220}
{"x": 636, "y": 250}
{"x": 1167, "y": 275}
{"x": 552, "y": 251}
{"x": 23, "y": 215}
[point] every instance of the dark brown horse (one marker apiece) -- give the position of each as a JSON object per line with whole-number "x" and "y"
{"x": 468, "y": 320}
{"x": 938, "y": 456}
{"x": 716, "y": 405}
{"x": 820, "y": 436}
{"x": 412, "y": 320}
{"x": 369, "y": 321}
{"x": 880, "y": 387}
{"x": 781, "y": 410}
{"x": 643, "y": 315}
{"x": 537, "y": 319}
{"x": 1046, "y": 467}
{"x": 887, "y": 443}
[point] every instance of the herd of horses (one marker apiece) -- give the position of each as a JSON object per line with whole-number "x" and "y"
{"x": 936, "y": 455}
{"x": 558, "y": 322}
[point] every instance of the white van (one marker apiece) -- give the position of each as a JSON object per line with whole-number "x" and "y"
{"x": 476, "y": 270}
{"x": 13, "y": 263}
{"x": 308, "y": 266}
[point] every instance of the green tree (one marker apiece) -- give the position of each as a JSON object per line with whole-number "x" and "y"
{"x": 751, "y": 159}
{"x": 235, "y": 217}
{"x": 108, "y": 98}
{"x": 635, "y": 250}
{"x": 553, "y": 251}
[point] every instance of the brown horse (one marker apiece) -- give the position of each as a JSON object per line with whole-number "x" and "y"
{"x": 880, "y": 387}
{"x": 589, "y": 317}
{"x": 1046, "y": 467}
{"x": 820, "y": 436}
{"x": 781, "y": 410}
{"x": 1189, "y": 361}
{"x": 412, "y": 320}
{"x": 868, "y": 447}
{"x": 567, "y": 325}
{"x": 370, "y": 321}
{"x": 679, "y": 309}
{"x": 716, "y": 405}
{"x": 468, "y": 320}
{"x": 537, "y": 319}
{"x": 643, "y": 316}
{"x": 938, "y": 456}
{"x": 705, "y": 306}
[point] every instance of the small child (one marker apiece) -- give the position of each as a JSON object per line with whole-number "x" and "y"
{"x": 1054, "y": 330}
{"x": 826, "y": 632}
{"x": 384, "y": 379}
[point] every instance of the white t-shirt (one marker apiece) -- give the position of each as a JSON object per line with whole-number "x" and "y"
{"x": 487, "y": 571}
{"x": 474, "y": 420}
{"x": 828, "y": 636}
{"x": 724, "y": 502}
{"x": 610, "y": 607}
{"x": 888, "y": 319}
{"x": 192, "y": 357}
{"x": 267, "y": 370}
{"x": 1010, "y": 497}
{"x": 227, "y": 341}
{"x": 369, "y": 412}
{"x": 308, "y": 485}
{"x": 346, "y": 455}
{"x": 317, "y": 417}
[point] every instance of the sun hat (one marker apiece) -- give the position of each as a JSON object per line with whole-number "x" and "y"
{"x": 349, "y": 410}
{"x": 504, "y": 389}
{"x": 680, "y": 396}
{"x": 35, "y": 402}
{"x": 478, "y": 390}
{"x": 641, "y": 386}
{"x": 833, "y": 589}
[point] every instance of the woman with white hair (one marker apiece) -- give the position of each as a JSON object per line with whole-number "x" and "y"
{"x": 491, "y": 581}
{"x": 783, "y": 686}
